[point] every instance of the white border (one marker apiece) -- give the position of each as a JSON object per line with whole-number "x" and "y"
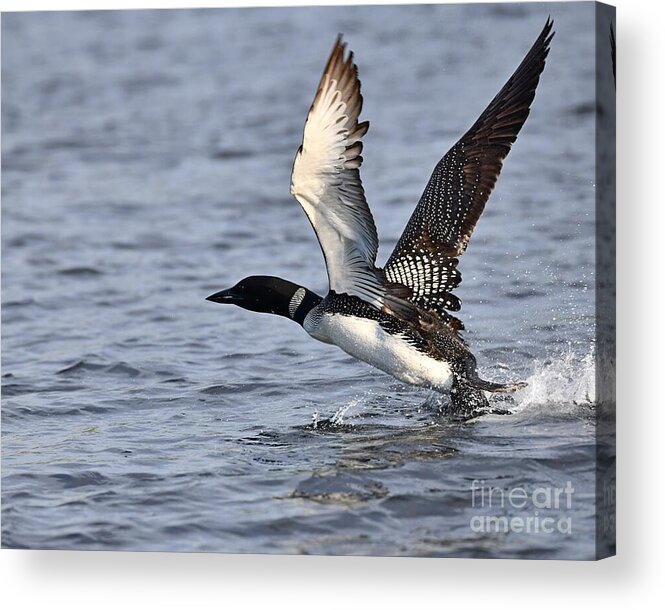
{"x": 126, "y": 580}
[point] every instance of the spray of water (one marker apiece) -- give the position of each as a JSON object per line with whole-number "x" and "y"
{"x": 338, "y": 418}
{"x": 562, "y": 381}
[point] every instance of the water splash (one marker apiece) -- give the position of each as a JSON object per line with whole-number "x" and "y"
{"x": 560, "y": 381}
{"x": 338, "y": 418}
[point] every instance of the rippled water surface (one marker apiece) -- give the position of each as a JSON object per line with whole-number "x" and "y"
{"x": 146, "y": 159}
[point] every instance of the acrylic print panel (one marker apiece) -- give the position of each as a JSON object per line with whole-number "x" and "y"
{"x": 147, "y": 158}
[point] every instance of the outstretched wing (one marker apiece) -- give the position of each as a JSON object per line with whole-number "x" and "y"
{"x": 425, "y": 258}
{"x": 326, "y": 181}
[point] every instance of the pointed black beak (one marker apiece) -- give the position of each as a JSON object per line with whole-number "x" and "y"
{"x": 225, "y": 296}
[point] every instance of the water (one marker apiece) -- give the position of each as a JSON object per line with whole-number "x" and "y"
{"x": 146, "y": 161}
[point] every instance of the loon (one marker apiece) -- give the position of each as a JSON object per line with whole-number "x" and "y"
{"x": 396, "y": 318}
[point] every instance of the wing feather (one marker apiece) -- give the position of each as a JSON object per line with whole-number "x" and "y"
{"x": 425, "y": 258}
{"x": 326, "y": 181}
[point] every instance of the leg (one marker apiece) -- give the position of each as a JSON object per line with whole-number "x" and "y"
{"x": 467, "y": 401}
{"x": 471, "y": 375}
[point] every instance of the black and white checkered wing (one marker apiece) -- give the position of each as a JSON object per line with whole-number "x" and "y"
{"x": 425, "y": 258}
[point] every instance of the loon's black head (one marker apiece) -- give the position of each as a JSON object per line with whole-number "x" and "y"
{"x": 267, "y": 294}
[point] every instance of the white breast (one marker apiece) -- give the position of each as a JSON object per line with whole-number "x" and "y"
{"x": 366, "y": 340}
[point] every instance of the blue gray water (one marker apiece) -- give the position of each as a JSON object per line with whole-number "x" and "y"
{"x": 145, "y": 164}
